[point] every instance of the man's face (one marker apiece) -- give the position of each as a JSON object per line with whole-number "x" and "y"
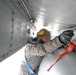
{"x": 45, "y": 39}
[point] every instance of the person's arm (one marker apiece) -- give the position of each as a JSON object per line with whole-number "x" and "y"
{"x": 64, "y": 38}
{"x": 52, "y": 45}
{"x": 41, "y": 50}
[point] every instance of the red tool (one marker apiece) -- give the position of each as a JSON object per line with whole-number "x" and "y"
{"x": 70, "y": 48}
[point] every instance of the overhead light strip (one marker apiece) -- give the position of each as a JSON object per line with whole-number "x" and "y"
{"x": 25, "y": 8}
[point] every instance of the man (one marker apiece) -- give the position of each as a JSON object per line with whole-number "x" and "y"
{"x": 41, "y": 46}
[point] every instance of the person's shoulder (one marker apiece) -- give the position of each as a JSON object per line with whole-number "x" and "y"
{"x": 29, "y": 45}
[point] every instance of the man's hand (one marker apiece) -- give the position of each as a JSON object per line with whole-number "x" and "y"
{"x": 66, "y": 36}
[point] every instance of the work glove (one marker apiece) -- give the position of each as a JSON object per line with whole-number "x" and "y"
{"x": 65, "y": 37}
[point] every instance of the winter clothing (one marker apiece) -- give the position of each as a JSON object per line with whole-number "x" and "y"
{"x": 44, "y": 33}
{"x": 35, "y": 52}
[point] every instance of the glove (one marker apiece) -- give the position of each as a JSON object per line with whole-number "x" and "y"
{"x": 65, "y": 37}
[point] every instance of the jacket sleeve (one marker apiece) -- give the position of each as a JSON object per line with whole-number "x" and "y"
{"x": 52, "y": 45}
{"x": 41, "y": 50}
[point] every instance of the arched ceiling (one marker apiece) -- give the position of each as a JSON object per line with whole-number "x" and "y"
{"x": 54, "y": 14}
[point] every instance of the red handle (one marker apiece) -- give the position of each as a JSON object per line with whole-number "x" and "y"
{"x": 68, "y": 50}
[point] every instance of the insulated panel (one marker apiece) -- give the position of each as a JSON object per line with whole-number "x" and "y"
{"x": 54, "y": 15}
{"x": 13, "y": 29}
